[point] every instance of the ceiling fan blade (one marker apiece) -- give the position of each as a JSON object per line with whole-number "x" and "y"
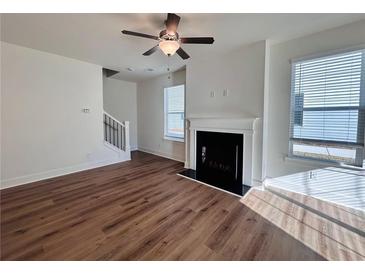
{"x": 172, "y": 22}
{"x": 127, "y": 32}
{"x": 182, "y": 53}
{"x": 197, "y": 40}
{"x": 150, "y": 51}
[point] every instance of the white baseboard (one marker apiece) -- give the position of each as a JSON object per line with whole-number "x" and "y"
{"x": 161, "y": 154}
{"x": 21, "y": 180}
{"x": 256, "y": 183}
{"x": 134, "y": 148}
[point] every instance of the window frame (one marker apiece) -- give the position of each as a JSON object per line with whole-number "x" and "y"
{"x": 166, "y": 136}
{"x": 360, "y": 150}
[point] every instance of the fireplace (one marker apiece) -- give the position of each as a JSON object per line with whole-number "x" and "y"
{"x": 219, "y": 152}
{"x": 219, "y": 160}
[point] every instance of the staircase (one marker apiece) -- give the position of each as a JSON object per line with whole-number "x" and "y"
{"x": 116, "y": 136}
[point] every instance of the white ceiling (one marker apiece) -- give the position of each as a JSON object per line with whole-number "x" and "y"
{"x": 97, "y": 38}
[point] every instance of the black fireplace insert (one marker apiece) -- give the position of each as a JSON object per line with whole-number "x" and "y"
{"x": 219, "y": 160}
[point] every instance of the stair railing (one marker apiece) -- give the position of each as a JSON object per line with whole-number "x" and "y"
{"x": 116, "y": 133}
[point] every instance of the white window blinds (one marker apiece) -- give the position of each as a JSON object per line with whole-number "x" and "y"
{"x": 175, "y": 111}
{"x": 327, "y": 107}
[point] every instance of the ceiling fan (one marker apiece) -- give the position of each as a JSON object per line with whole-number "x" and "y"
{"x": 169, "y": 39}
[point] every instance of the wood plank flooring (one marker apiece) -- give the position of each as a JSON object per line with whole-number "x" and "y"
{"x": 137, "y": 210}
{"x": 331, "y": 231}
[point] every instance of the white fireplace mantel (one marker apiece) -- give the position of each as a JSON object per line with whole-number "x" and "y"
{"x": 241, "y": 125}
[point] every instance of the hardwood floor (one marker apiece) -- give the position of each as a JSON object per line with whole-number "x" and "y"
{"x": 331, "y": 230}
{"x": 136, "y": 210}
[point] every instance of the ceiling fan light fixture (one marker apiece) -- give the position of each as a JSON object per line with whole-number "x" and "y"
{"x": 169, "y": 47}
{"x": 169, "y": 39}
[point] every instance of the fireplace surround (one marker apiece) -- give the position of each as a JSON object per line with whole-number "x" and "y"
{"x": 237, "y": 126}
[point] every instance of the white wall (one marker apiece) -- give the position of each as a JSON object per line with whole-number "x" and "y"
{"x": 242, "y": 73}
{"x": 279, "y": 88}
{"x": 120, "y": 101}
{"x": 44, "y": 132}
{"x": 150, "y": 104}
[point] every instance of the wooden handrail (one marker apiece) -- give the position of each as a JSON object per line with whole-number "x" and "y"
{"x": 115, "y": 119}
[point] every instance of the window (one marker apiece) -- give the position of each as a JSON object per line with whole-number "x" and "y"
{"x": 174, "y": 112}
{"x": 328, "y": 108}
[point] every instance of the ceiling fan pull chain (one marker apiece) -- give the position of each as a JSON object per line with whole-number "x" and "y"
{"x": 168, "y": 67}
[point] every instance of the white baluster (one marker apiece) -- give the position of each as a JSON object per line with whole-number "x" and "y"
{"x": 126, "y": 136}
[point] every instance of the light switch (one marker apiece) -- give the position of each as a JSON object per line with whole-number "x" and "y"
{"x": 212, "y": 94}
{"x": 225, "y": 92}
{"x": 86, "y": 110}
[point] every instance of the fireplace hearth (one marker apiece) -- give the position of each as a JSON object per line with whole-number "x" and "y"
{"x": 240, "y": 190}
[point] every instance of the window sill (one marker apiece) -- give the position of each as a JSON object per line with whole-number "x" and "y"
{"x": 317, "y": 163}
{"x": 309, "y": 162}
{"x": 175, "y": 139}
